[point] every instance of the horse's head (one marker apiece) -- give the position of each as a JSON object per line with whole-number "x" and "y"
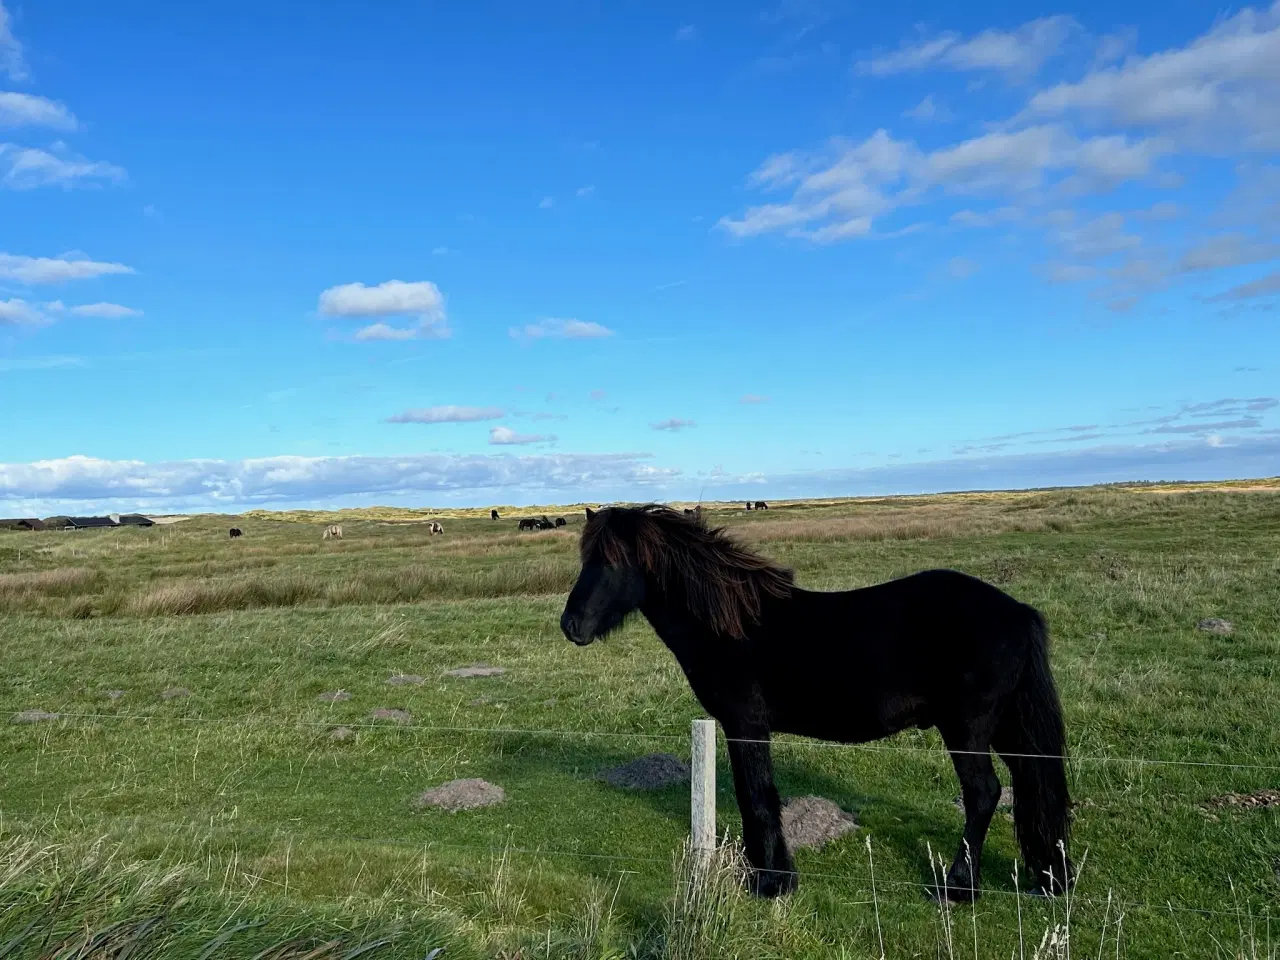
{"x": 611, "y": 584}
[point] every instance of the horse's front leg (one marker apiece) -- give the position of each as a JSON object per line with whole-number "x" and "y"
{"x": 772, "y": 870}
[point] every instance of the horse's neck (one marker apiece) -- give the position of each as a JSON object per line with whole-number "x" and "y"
{"x": 676, "y": 627}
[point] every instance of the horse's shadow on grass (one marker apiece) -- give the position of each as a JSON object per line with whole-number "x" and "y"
{"x": 907, "y": 829}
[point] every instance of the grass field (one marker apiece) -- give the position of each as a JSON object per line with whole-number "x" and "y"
{"x": 229, "y": 819}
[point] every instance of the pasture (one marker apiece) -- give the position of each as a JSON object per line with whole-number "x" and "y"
{"x": 190, "y": 794}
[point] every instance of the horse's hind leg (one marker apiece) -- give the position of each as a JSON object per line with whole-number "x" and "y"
{"x": 773, "y": 872}
{"x": 970, "y": 743}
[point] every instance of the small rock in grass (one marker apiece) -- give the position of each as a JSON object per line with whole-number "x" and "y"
{"x": 653, "y": 772}
{"x": 391, "y": 713}
{"x": 476, "y": 670}
{"x": 463, "y": 795}
{"x": 1260, "y": 799}
{"x": 405, "y": 680}
{"x": 173, "y": 693}
{"x": 1004, "y": 803}
{"x": 34, "y": 716}
{"x": 814, "y": 821}
{"x": 341, "y": 733}
{"x": 114, "y": 694}
{"x": 1216, "y": 625}
{"x": 334, "y": 696}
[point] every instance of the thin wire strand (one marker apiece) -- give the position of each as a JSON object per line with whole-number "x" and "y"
{"x": 786, "y": 744}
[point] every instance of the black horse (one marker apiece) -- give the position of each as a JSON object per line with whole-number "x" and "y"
{"x": 761, "y": 505}
{"x": 749, "y": 505}
{"x": 528, "y": 523}
{"x": 561, "y": 522}
{"x": 493, "y": 514}
{"x": 934, "y": 649}
{"x": 235, "y": 532}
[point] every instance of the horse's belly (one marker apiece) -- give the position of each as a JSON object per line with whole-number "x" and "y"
{"x": 852, "y": 722}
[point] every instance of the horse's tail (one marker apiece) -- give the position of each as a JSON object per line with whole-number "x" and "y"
{"x": 1032, "y": 740}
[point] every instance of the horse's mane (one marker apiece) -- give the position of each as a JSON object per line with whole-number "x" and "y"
{"x": 723, "y": 583}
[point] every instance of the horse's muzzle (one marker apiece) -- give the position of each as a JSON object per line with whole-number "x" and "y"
{"x": 572, "y": 628}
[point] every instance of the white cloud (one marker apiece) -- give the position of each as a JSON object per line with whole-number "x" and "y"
{"x": 1262, "y": 287}
{"x": 26, "y": 168}
{"x": 1097, "y": 238}
{"x": 107, "y": 310}
{"x": 447, "y": 414}
{"x": 686, "y": 33}
{"x": 37, "y": 270}
{"x": 392, "y": 298}
{"x": 928, "y": 110}
{"x": 546, "y": 203}
{"x": 585, "y": 192}
{"x": 26, "y": 110}
{"x": 11, "y": 61}
{"x": 505, "y": 436}
{"x": 674, "y": 424}
{"x": 1018, "y": 53}
{"x": 972, "y": 218}
{"x": 751, "y": 398}
{"x": 20, "y": 313}
{"x": 1227, "y": 250}
{"x": 560, "y": 329}
{"x": 59, "y": 485}
{"x": 1219, "y": 92}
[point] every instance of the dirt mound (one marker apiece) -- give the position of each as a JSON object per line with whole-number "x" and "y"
{"x": 653, "y": 772}
{"x": 1216, "y": 625}
{"x": 391, "y": 713}
{"x": 174, "y": 693}
{"x": 341, "y": 733}
{"x": 463, "y": 795}
{"x": 405, "y": 680}
{"x": 476, "y": 670}
{"x": 34, "y": 716}
{"x": 1004, "y": 803}
{"x": 334, "y": 696}
{"x": 814, "y": 821}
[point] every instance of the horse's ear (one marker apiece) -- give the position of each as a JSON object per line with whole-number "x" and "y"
{"x": 590, "y": 514}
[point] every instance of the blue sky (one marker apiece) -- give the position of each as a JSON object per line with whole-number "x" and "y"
{"x": 255, "y": 255}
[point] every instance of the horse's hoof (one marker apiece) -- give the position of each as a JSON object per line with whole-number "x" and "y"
{"x": 958, "y": 894}
{"x": 772, "y": 883}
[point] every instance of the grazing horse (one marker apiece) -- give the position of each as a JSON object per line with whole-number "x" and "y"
{"x": 761, "y": 505}
{"x": 528, "y": 523}
{"x": 934, "y": 649}
{"x": 434, "y": 527}
{"x": 493, "y": 514}
{"x": 561, "y": 522}
{"x": 748, "y": 504}
{"x": 235, "y": 532}
{"x": 332, "y": 531}
{"x": 545, "y": 524}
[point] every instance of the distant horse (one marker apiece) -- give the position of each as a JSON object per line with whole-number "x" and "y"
{"x": 545, "y": 524}
{"x": 493, "y": 514}
{"x": 334, "y": 531}
{"x": 934, "y": 649}
{"x": 761, "y": 505}
{"x": 748, "y": 504}
{"x": 528, "y": 523}
{"x": 561, "y": 522}
{"x": 434, "y": 527}
{"x": 235, "y": 532}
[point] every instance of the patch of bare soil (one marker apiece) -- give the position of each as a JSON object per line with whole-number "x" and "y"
{"x": 341, "y": 733}
{"x": 652, "y": 772}
{"x": 174, "y": 693}
{"x": 1216, "y": 625}
{"x": 463, "y": 795}
{"x": 476, "y": 670}
{"x": 405, "y": 680}
{"x": 814, "y": 821}
{"x": 391, "y": 713}
{"x": 1245, "y": 801}
{"x": 34, "y": 716}
{"x": 334, "y": 696}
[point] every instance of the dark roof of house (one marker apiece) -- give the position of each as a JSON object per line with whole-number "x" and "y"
{"x": 91, "y": 521}
{"x": 22, "y": 523}
{"x": 136, "y": 520}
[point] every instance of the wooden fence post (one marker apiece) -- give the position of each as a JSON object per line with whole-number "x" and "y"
{"x": 703, "y": 792}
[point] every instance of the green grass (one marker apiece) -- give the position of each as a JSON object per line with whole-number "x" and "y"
{"x": 233, "y": 811}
